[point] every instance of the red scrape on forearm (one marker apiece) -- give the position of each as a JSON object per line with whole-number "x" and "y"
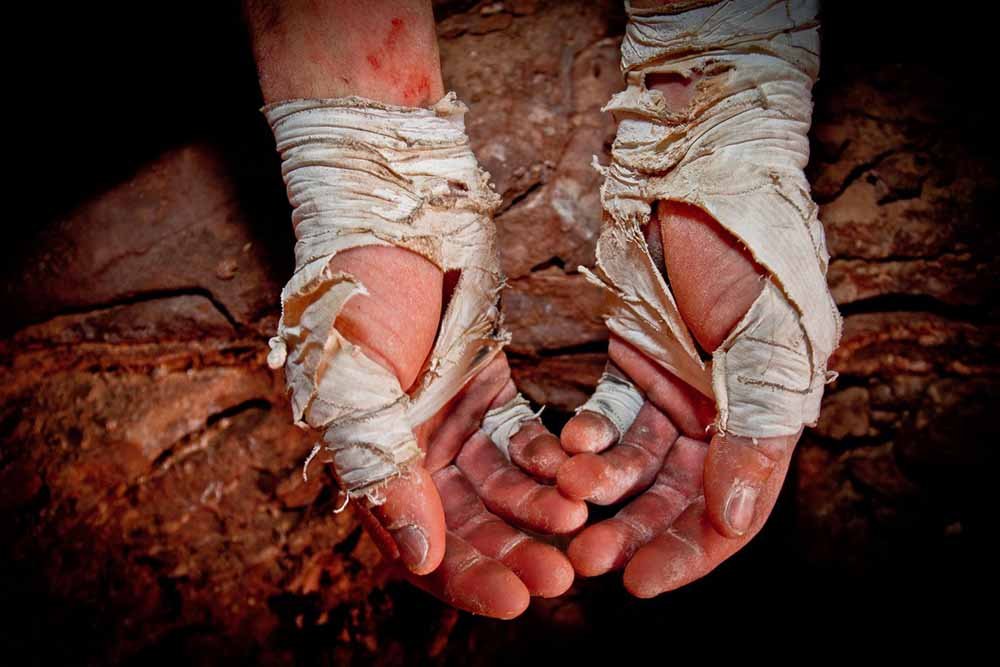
{"x": 390, "y": 63}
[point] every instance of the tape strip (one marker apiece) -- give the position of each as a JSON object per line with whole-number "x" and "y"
{"x": 361, "y": 173}
{"x": 617, "y": 399}
{"x": 502, "y": 423}
{"x": 737, "y": 151}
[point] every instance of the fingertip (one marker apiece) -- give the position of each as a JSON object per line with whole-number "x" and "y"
{"x": 561, "y": 577}
{"x": 645, "y": 575}
{"x": 435, "y": 554}
{"x": 429, "y": 563}
{"x": 414, "y": 516}
{"x": 553, "y": 513}
{"x": 738, "y": 473}
{"x": 568, "y": 514}
{"x": 543, "y": 569}
{"x": 475, "y": 583}
{"x": 588, "y": 432}
{"x": 414, "y": 549}
{"x": 577, "y": 477}
{"x": 639, "y": 587}
{"x": 499, "y": 592}
{"x": 596, "y": 550}
{"x": 541, "y": 456}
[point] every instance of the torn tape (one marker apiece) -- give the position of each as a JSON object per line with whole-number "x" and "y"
{"x": 736, "y": 150}
{"x": 361, "y": 173}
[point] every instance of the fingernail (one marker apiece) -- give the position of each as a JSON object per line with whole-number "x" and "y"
{"x": 740, "y": 508}
{"x": 412, "y": 545}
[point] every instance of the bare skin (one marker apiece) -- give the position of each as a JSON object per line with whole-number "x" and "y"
{"x": 702, "y": 497}
{"x": 453, "y": 521}
{"x": 687, "y": 518}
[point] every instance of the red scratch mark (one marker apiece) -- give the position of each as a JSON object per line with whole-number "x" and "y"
{"x": 393, "y": 67}
{"x": 387, "y": 55}
{"x": 394, "y": 33}
{"x": 418, "y": 86}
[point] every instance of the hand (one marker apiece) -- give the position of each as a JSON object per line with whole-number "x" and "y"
{"x": 472, "y": 554}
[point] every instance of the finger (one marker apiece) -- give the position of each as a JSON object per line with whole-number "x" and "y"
{"x": 690, "y": 411}
{"x": 589, "y": 431}
{"x": 684, "y": 552}
{"x": 736, "y": 471}
{"x": 610, "y": 544}
{"x": 448, "y": 430}
{"x": 513, "y": 495}
{"x": 475, "y": 583}
{"x": 543, "y": 569}
{"x": 627, "y": 467}
{"x": 691, "y": 548}
{"x": 410, "y": 524}
{"x": 536, "y": 451}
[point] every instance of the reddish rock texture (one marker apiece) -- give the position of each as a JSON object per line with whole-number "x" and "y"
{"x": 151, "y": 500}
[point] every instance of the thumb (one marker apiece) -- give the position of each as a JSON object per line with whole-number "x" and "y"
{"x": 743, "y": 477}
{"x": 410, "y": 524}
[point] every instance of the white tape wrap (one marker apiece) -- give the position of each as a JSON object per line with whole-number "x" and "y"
{"x": 502, "y": 423}
{"x": 617, "y": 399}
{"x": 361, "y": 173}
{"x": 737, "y": 151}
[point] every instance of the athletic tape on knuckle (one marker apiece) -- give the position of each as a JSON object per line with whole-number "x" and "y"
{"x": 361, "y": 173}
{"x": 617, "y": 399}
{"x": 502, "y": 423}
{"x": 737, "y": 151}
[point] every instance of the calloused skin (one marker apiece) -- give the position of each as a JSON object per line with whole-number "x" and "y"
{"x": 679, "y": 527}
{"x": 452, "y": 521}
{"x": 699, "y": 497}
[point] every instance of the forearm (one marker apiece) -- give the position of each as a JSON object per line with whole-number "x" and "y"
{"x": 380, "y": 49}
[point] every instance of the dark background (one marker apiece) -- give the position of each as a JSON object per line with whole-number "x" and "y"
{"x": 108, "y": 86}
